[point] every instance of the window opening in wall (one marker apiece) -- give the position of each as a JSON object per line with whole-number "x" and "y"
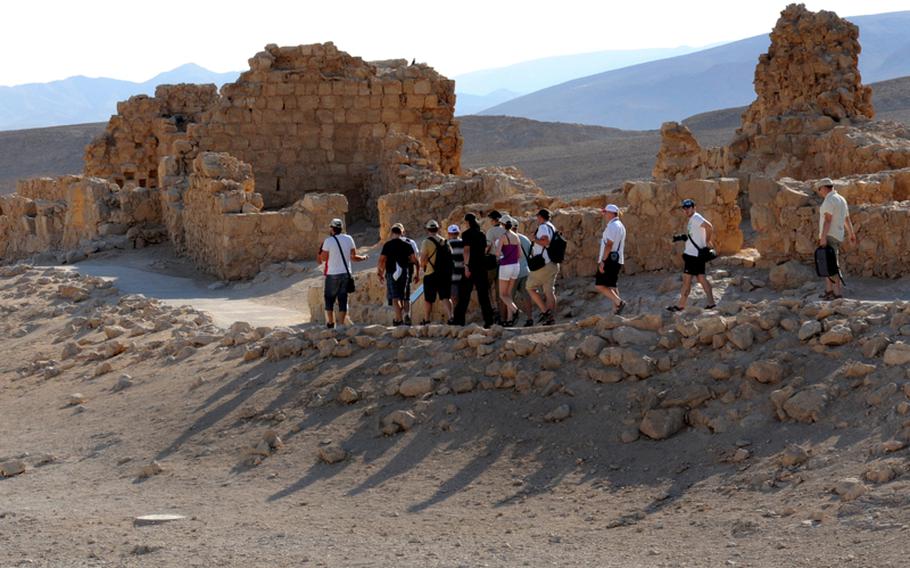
{"x": 142, "y": 182}
{"x": 137, "y": 145}
{"x": 130, "y": 176}
{"x": 277, "y": 184}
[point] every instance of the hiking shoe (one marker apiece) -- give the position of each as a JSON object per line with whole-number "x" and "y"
{"x": 710, "y": 306}
{"x": 397, "y": 323}
{"x": 529, "y": 322}
{"x": 619, "y": 308}
{"x": 544, "y": 316}
{"x": 330, "y": 326}
{"x": 674, "y": 309}
{"x": 550, "y": 319}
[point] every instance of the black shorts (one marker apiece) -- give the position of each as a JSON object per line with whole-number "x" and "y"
{"x": 693, "y": 266}
{"x": 609, "y": 277}
{"x": 437, "y": 285}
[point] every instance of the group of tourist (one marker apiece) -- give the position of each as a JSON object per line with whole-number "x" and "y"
{"x": 524, "y": 268}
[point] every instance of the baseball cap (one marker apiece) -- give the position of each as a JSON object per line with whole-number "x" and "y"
{"x": 611, "y": 209}
{"x": 432, "y": 224}
{"x": 687, "y": 203}
{"x": 824, "y": 182}
{"x": 398, "y": 226}
{"x": 337, "y": 223}
{"x": 454, "y": 229}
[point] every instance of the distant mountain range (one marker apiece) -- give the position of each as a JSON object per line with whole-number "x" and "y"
{"x": 483, "y": 89}
{"x": 82, "y": 99}
{"x": 645, "y": 95}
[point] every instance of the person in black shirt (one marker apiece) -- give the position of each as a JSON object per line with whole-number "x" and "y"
{"x": 395, "y": 258}
{"x": 475, "y": 274}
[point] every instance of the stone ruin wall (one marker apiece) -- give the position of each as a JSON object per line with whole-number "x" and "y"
{"x": 812, "y": 116}
{"x": 225, "y": 232}
{"x": 143, "y": 131}
{"x": 314, "y": 119}
{"x": 785, "y": 214}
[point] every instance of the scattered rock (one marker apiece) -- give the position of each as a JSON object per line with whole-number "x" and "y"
{"x": 807, "y": 405}
{"x": 348, "y": 396}
{"x": 850, "y": 489}
{"x": 398, "y": 420}
{"x": 768, "y": 371}
{"x": 837, "y": 335}
{"x": 897, "y": 354}
{"x": 150, "y": 470}
{"x": 72, "y": 292}
{"x": 789, "y": 275}
{"x": 123, "y": 382}
{"x": 112, "y": 331}
{"x": 416, "y": 386}
{"x": 592, "y": 346}
{"x": 809, "y": 330}
{"x": 558, "y": 414}
{"x": 661, "y": 423}
{"x": 881, "y": 472}
{"x": 332, "y": 453}
{"x": 76, "y": 399}
{"x": 11, "y": 468}
{"x": 742, "y": 336}
{"x": 720, "y": 372}
{"x": 463, "y": 384}
{"x": 148, "y": 520}
{"x": 793, "y": 456}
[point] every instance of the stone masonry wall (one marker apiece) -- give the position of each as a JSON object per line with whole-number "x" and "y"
{"x": 784, "y": 216}
{"x": 143, "y": 131}
{"x": 227, "y": 234}
{"x": 312, "y": 119}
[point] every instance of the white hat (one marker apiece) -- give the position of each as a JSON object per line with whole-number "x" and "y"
{"x": 611, "y": 208}
{"x": 337, "y": 223}
{"x": 432, "y": 224}
{"x": 454, "y": 229}
{"x": 824, "y": 182}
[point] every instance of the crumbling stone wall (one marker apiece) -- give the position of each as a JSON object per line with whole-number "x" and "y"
{"x": 226, "y": 233}
{"x": 312, "y": 119}
{"x": 812, "y": 116}
{"x": 784, "y": 216}
{"x": 82, "y": 210}
{"x": 479, "y": 190}
{"x": 143, "y": 131}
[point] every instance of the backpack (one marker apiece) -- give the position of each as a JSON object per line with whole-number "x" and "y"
{"x": 557, "y": 249}
{"x": 444, "y": 264}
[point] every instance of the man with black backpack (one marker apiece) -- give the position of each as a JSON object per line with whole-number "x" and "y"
{"x": 436, "y": 263}
{"x": 548, "y": 251}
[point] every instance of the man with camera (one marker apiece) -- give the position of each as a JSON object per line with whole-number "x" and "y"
{"x": 611, "y": 257}
{"x": 833, "y": 223}
{"x": 698, "y": 252}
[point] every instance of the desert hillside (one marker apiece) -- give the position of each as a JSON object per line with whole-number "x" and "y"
{"x": 776, "y": 419}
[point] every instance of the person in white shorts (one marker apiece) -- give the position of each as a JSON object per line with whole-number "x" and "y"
{"x": 507, "y": 249}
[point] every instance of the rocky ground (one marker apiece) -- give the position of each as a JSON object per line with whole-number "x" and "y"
{"x": 769, "y": 432}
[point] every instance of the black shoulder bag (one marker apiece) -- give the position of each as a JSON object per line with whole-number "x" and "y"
{"x": 706, "y": 254}
{"x": 351, "y": 287}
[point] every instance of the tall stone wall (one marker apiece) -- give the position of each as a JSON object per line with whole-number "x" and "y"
{"x": 225, "y": 232}
{"x": 812, "y": 116}
{"x": 312, "y": 119}
{"x": 784, "y": 216}
{"x": 143, "y": 131}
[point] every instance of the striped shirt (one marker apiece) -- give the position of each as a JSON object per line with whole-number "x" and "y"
{"x": 457, "y": 259}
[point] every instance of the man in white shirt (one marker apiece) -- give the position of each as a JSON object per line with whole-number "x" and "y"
{"x": 699, "y": 235}
{"x": 541, "y": 284}
{"x": 611, "y": 257}
{"x": 338, "y": 251}
{"x": 833, "y": 219}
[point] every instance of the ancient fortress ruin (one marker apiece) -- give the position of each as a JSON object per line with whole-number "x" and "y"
{"x": 251, "y": 175}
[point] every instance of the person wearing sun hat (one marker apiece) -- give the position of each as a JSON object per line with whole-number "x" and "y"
{"x": 699, "y": 235}
{"x": 436, "y": 263}
{"x": 338, "y": 251}
{"x": 611, "y": 257}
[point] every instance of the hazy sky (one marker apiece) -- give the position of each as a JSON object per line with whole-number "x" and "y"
{"x": 43, "y": 40}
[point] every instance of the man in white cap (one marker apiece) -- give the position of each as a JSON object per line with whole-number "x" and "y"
{"x": 833, "y": 218}
{"x": 337, "y": 249}
{"x": 436, "y": 263}
{"x": 611, "y": 257}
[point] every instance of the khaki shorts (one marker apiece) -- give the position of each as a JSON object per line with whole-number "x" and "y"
{"x": 543, "y": 279}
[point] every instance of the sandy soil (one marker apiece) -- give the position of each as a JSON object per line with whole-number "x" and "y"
{"x": 480, "y": 480}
